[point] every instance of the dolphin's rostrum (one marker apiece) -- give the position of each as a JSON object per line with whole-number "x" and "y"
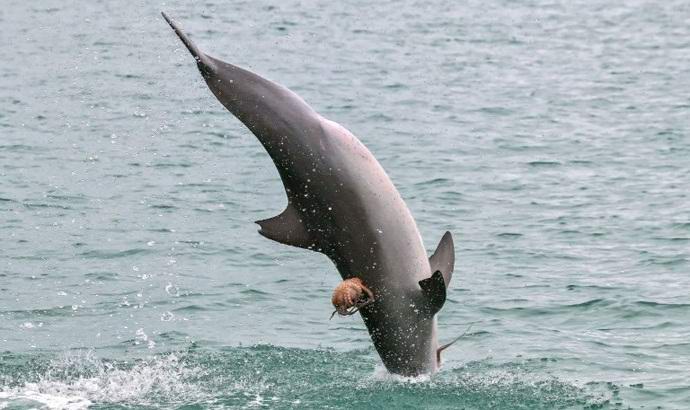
{"x": 341, "y": 203}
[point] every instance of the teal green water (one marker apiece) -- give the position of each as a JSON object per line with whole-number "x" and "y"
{"x": 552, "y": 139}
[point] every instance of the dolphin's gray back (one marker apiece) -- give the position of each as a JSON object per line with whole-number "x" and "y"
{"x": 272, "y": 112}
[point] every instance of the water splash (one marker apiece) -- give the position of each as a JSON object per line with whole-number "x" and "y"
{"x": 277, "y": 377}
{"x": 77, "y": 380}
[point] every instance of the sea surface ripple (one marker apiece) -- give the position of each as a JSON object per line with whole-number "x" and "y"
{"x": 552, "y": 138}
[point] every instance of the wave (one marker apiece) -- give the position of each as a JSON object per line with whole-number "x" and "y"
{"x": 278, "y": 377}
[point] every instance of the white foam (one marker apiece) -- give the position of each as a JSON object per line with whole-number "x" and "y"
{"x": 44, "y": 400}
{"x": 382, "y": 375}
{"x": 76, "y": 381}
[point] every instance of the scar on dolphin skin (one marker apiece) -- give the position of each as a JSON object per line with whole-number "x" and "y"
{"x": 350, "y": 296}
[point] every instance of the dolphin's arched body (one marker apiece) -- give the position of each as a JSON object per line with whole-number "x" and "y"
{"x": 341, "y": 203}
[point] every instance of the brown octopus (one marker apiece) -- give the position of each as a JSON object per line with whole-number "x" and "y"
{"x": 350, "y": 296}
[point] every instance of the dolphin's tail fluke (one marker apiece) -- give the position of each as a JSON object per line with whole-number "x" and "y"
{"x": 200, "y": 57}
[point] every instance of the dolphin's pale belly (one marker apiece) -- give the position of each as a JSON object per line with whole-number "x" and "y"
{"x": 367, "y": 222}
{"x": 373, "y": 236}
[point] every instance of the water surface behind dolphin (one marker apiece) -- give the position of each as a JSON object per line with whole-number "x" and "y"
{"x": 551, "y": 139}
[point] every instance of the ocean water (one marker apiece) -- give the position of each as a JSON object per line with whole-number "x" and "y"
{"x": 551, "y": 137}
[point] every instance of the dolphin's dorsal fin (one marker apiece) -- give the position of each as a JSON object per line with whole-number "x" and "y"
{"x": 287, "y": 228}
{"x": 443, "y": 259}
{"x": 435, "y": 287}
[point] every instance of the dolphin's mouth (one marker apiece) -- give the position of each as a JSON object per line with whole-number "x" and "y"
{"x": 351, "y": 296}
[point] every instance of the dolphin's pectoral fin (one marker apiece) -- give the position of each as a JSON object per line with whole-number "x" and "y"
{"x": 434, "y": 291}
{"x": 435, "y": 287}
{"x": 287, "y": 228}
{"x": 443, "y": 259}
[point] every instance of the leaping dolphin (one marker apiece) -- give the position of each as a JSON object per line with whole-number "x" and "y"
{"x": 343, "y": 204}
